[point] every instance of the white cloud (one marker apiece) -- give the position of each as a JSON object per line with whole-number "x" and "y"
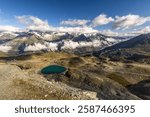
{"x": 34, "y": 23}
{"x": 74, "y": 22}
{"x": 111, "y": 40}
{"x": 8, "y": 28}
{"x": 84, "y": 29}
{"x": 114, "y": 33}
{"x": 69, "y": 44}
{"x": 39, "y": 46}
{"x": 51, "y": 46}
{"x": 4, "y": 48}
{"x": 142, "y": 30}
{"x": 102, "y": 19}
{"x": 35, "y": 47}
{"x": 109, "y": 32}
{"x": 80, "y": 26}
{"x": 129, "y": 21}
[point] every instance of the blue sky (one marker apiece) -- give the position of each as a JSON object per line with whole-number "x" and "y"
{"x": 56, "y": 11}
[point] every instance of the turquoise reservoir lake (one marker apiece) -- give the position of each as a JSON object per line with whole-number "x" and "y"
{"x": 53, "y": 69}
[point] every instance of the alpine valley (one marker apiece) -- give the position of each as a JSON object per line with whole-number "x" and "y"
{"x": 97, "y": 66}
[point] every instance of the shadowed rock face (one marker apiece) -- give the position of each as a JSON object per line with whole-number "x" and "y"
{"x": 141, "y": 89}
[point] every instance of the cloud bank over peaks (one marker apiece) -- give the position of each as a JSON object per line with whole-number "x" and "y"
{"x": 84, "y": 29}
{"x": 5, "y": 28}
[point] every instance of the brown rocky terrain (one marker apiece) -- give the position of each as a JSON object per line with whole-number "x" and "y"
{"x": 86, "y": 78}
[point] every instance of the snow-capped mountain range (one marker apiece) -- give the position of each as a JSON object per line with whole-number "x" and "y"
{"x": 33, "y": 41}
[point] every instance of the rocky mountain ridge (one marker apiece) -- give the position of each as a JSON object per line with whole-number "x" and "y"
{"x": 34, "y": 41}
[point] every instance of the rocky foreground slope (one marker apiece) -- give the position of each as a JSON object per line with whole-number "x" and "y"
{"x": 17, "y": 84}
